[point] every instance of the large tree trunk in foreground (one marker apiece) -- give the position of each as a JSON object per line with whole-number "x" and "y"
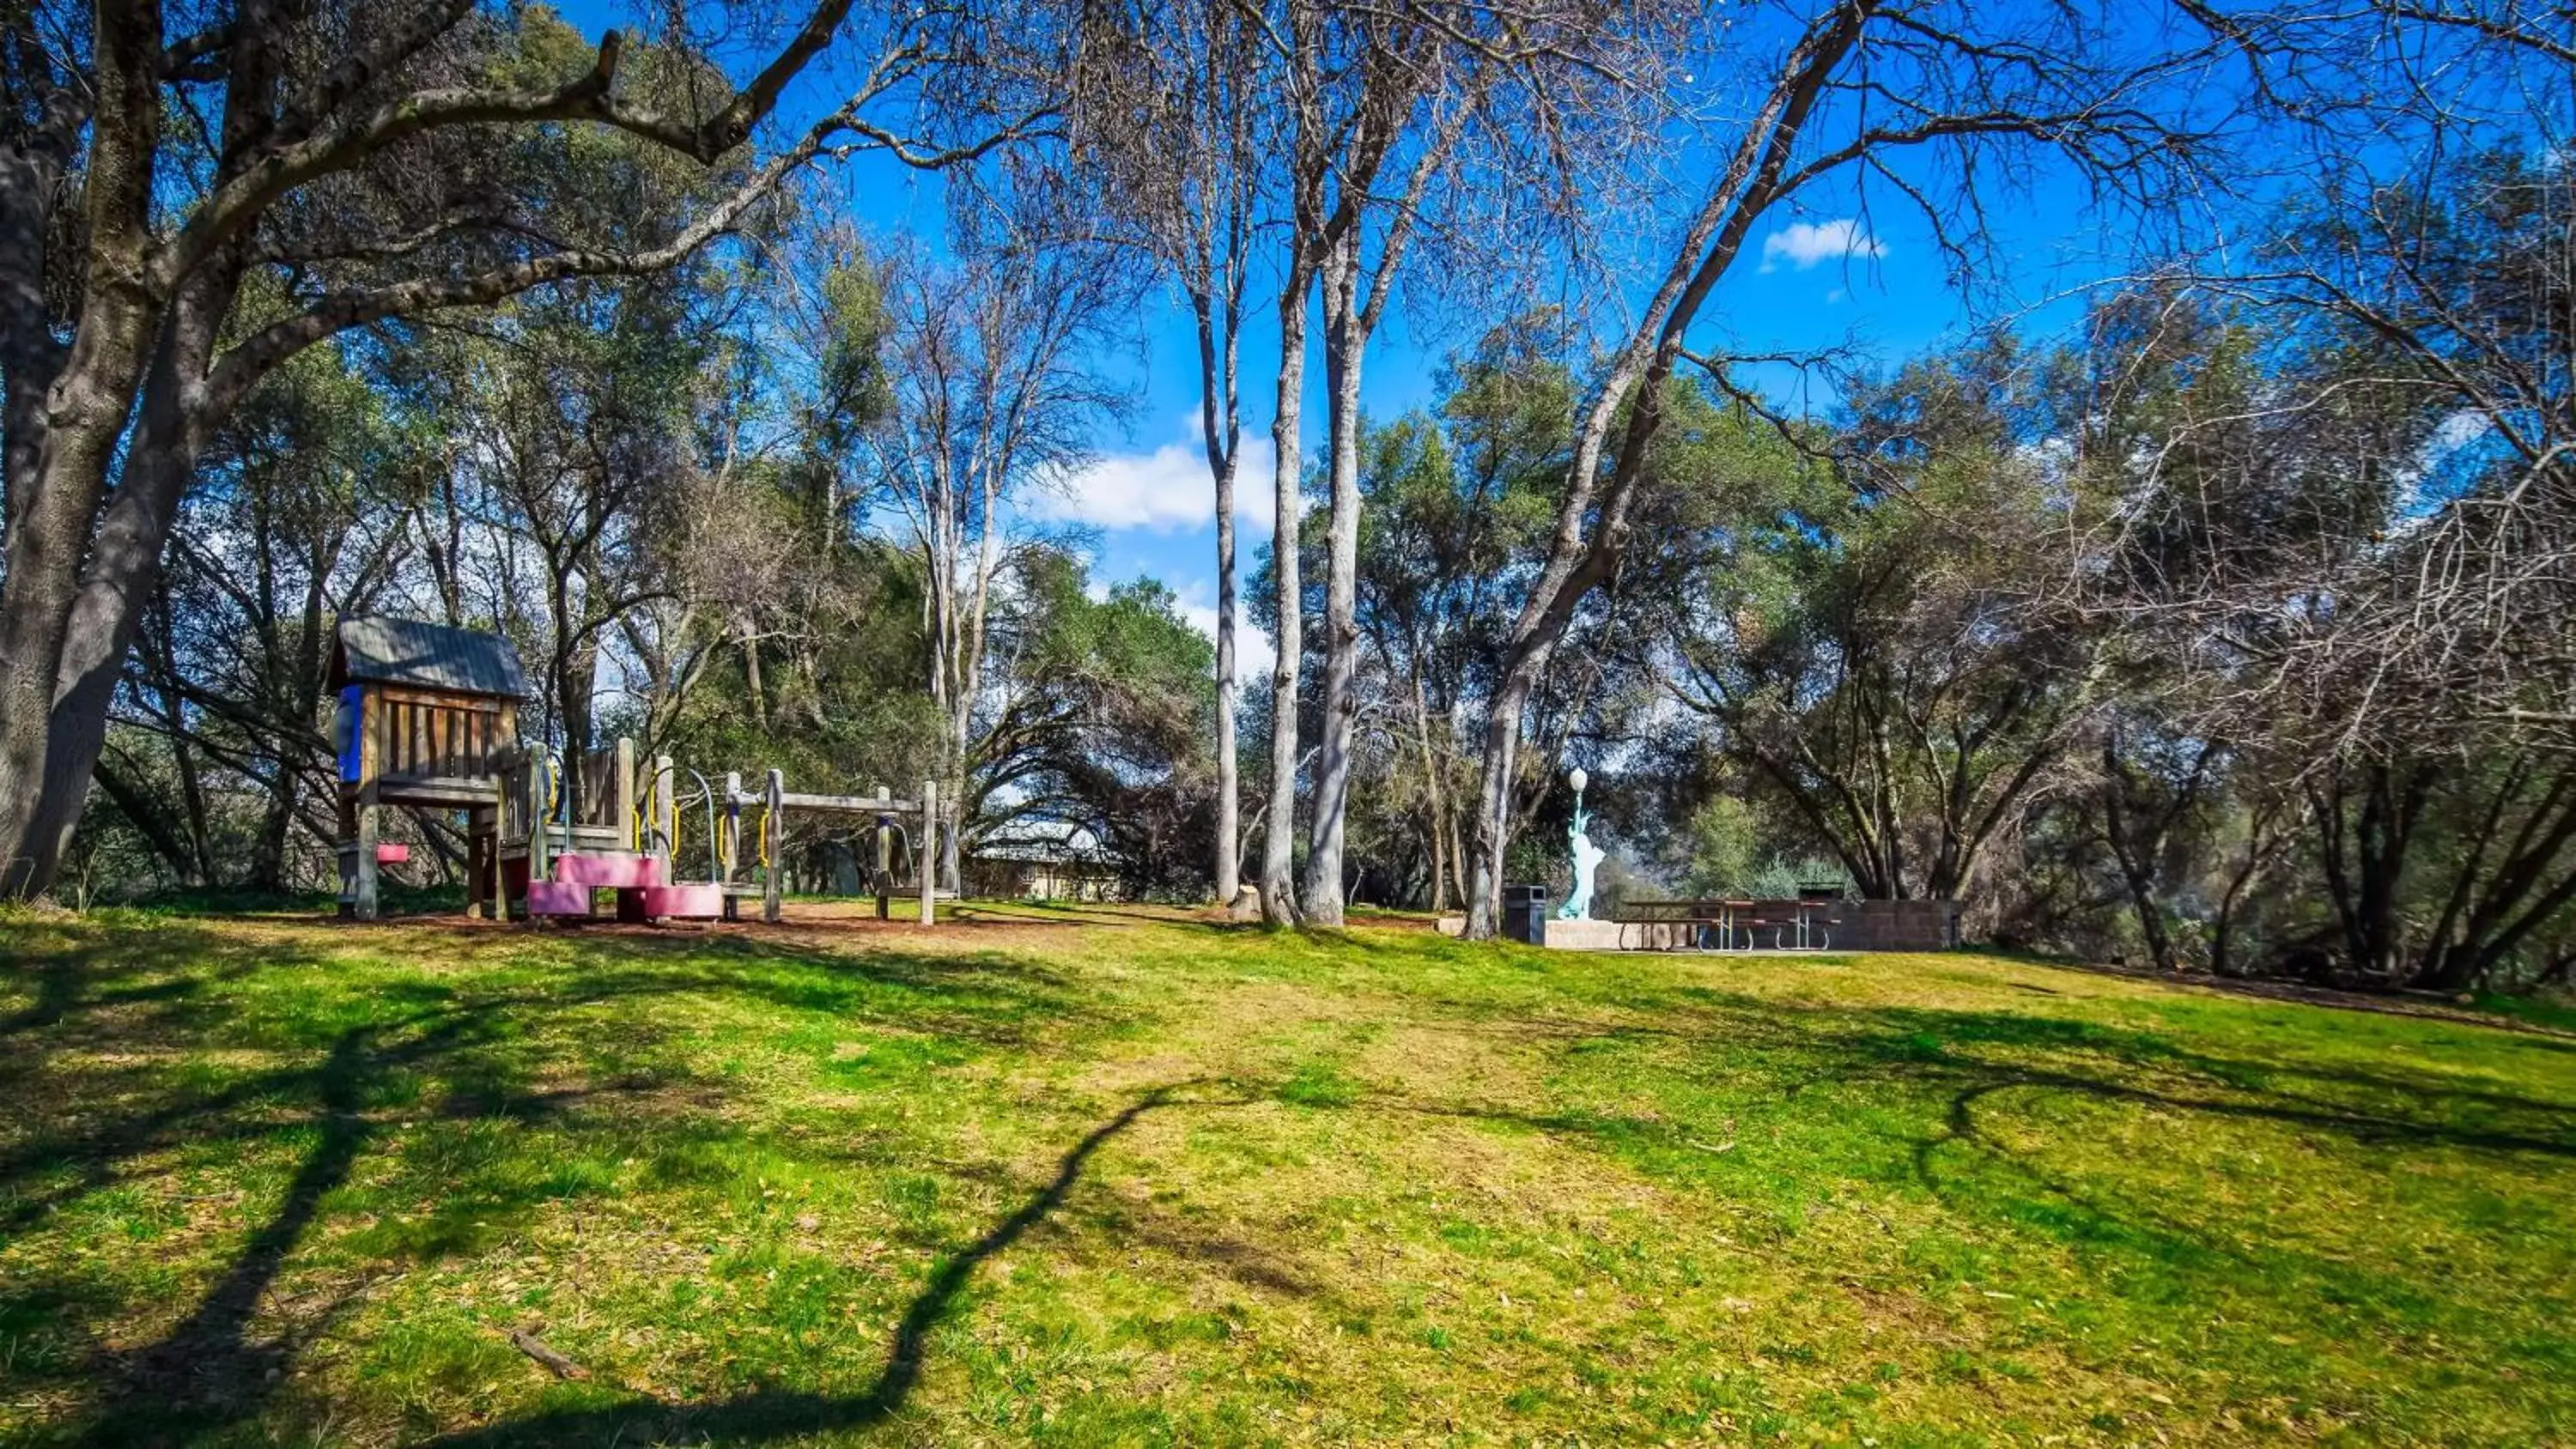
{"x": 1279, "y": 835}
{"x": 105, "y": 612}
{"x": 1223, "y": 454}
{"x": 52, "y": 507}
{"x": 1346, "y": 338}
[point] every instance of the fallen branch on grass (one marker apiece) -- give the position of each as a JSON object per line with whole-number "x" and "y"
{"x": 537, "y": 1348}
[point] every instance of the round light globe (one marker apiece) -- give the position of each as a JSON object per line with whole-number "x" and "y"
{"x": 1578, "y": 779}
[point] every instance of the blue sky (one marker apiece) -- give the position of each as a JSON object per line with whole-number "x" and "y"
{"x": 1851, "y": 271}
{"x": 1816, "y": 279}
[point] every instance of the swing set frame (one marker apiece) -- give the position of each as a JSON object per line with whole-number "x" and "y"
{"x": 774, "y": 800}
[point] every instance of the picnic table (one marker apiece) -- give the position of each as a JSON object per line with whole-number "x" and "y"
{"x": 1724, "y": 924}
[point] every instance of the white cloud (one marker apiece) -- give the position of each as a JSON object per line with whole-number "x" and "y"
{"x": 1164, "y": 491}
{"x": 1803, "y": 244}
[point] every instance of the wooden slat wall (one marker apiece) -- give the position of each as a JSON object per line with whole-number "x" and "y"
{"x": 430, "y": 738}
{"x": 599, "y": 788}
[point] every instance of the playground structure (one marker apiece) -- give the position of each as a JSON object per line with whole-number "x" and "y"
{"x": 428, "y": 717}
{"x": 626, "y": 834}
{"x": 775, "y": 800}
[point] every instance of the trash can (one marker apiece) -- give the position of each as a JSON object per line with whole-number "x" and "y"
{"x": 1525, "y": 913}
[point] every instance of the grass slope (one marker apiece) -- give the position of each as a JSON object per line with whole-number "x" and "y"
{"x": 1112, "y": 1178}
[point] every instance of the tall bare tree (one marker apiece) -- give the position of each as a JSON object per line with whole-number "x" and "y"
{"x": 989, "y": 359}
{"x": 1173, "y": 125}
{"x": 1472, "y": 146}
{"x": 1217, "y": 264}
{"x": 1297, "y": 38}
{"x": 1405, "y": 97}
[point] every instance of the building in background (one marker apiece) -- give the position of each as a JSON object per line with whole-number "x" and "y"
{"x": 1041, "y": 861}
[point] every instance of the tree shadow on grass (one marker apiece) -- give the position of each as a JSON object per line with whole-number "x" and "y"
{"x": 242, "y": 1111}
{"x": 476, "y": 1047}
{"x": 206, "y": 1371}
{"x": 83, "y": 989}
{"x": 766, "y": 1414}
{"x": 1966, "y": 1108}
{"x": 2292, "y": 1084}
{"x": 989, "y": 1001}
{"x": 1790, "y": 1048}
{"x": 1942, "y": 1067}
{"x": 1980, "y": 1053}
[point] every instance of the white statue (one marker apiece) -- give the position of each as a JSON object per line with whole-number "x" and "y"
{"x": 1587, "y": 857}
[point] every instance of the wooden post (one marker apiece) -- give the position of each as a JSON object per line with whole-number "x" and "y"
{"x": 625, "y": 820}
{"x": 666, "y": 814}
{"x": 542, "y": 781}
{"x": 482, "y": 857}
{"x": 345, "y": 851}
{"x": 732, "y": 827}
{"x": 885, "y": 859}
{"x": 366, "y": 908}
{"x": 927, "y": 857}
{"x": 483, "y": 826}
{"x": 773, "y": 836}
{"x": 499, "y": 909}
{"x": 370, "y": 762}
{"x": 505, "y": 742}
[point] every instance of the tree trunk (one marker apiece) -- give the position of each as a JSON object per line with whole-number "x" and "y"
{"x": 105, "y": 612}
{"x": 1221, "y": 422}
{"x": 2363, "y": 857}
{"x": 1435, "y": 794}
{"x": 1279, "y": 838}
{"x": 1628, "y": 402}
{"x": 43, "y": 776}
{"x": 162, "y": 662}
{"x": 1345, "y": 340}
{"x": 78, "y": 580}
{"x": 2138, "y": 859}
{"x": 753, "y": 691}
{"x": 140, "y": 809}
{"x": 1229, "y": 802}
{"x": 268, "y": 849}
{"x": 1500, "y": 760}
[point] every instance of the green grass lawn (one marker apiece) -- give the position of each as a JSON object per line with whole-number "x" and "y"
{"x": 1094, "y": 1177}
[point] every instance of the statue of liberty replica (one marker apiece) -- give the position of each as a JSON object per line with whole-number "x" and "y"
{"x": 1587, "y": 856}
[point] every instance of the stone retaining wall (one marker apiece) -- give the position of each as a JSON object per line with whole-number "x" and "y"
{"x": 1849, "y": 926}
{"x": 1845, "y": 926}
{"x": 1896, "y": 925}
{"x": 1616, "y": 936}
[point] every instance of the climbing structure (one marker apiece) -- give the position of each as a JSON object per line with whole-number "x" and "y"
{"x": 569, "y": 833}
{"x": 428, "y": 715}
{"x": 770, "y": 833}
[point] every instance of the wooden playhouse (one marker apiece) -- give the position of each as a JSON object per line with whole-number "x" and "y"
{"x": 428, "y": 716}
